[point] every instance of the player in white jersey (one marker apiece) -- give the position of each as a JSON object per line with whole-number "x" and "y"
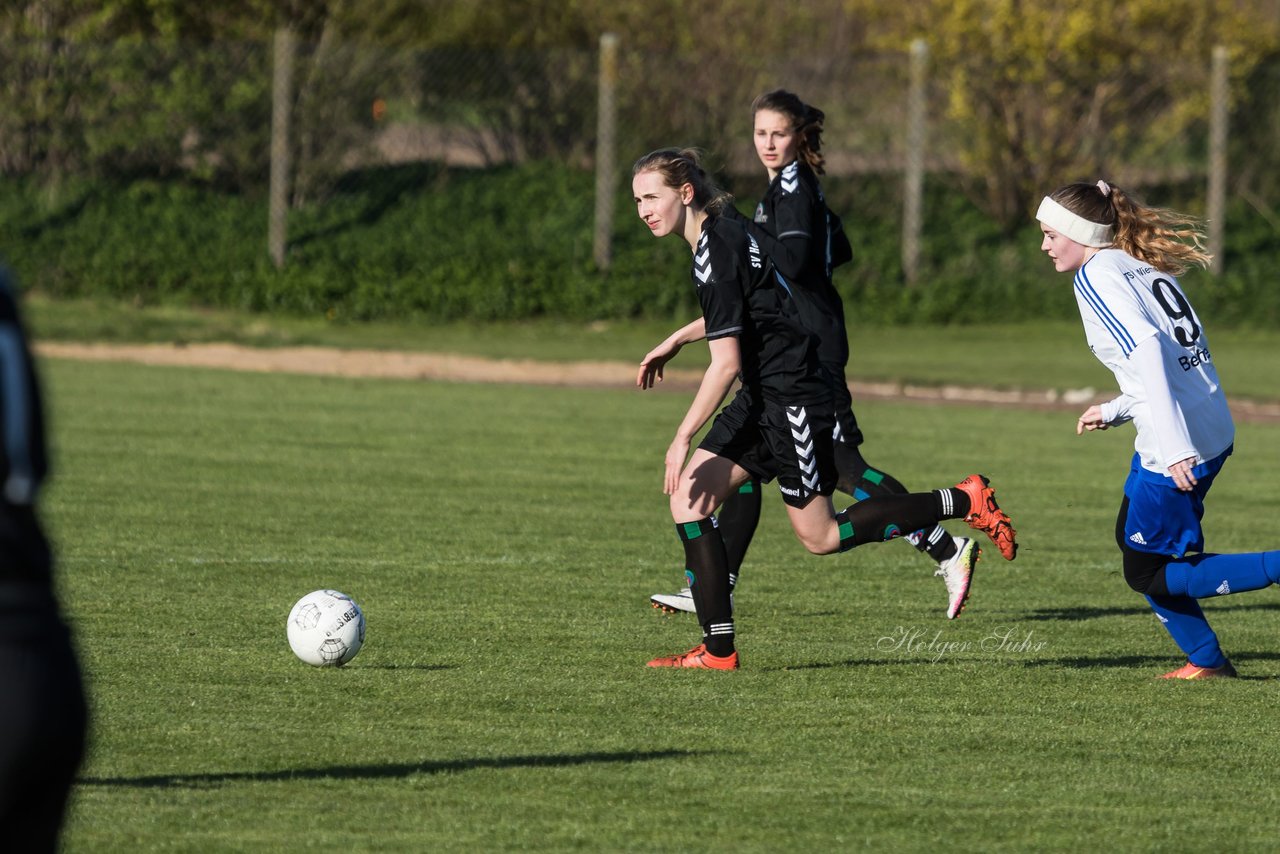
{"x": 1140, "y": 324}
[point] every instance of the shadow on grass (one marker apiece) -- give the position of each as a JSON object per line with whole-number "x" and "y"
{"x": 1219, "y": 603}
{"x": 382, "y": 772}
{"x": 403, "y": 667}
{"x": 848, "y": 662}
{"x": 1093, "y": 613}
{"x": 1090, "y": 662}
{"x": 1156, "y": 664}
{"x": 1084, "y": 613}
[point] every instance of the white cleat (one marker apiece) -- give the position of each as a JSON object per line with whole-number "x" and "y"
{"x": 957, "y": 573}
{"x": 675, "y": 603}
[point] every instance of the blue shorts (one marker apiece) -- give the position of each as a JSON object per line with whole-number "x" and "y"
{"x": 1163, "y": 519}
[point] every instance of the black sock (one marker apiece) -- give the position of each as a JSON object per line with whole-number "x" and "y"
{"x": 707, "y": 570}
{"x": 859, "y": 478}
{"x": 952, "y": 503}
{"x": 937, "y": 543}
{"x": 738, "y": 518}
{"x": 886, "y": 517}
{"x": 862, "y": 480}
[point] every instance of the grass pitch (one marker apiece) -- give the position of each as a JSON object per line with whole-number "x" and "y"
{"x": 503, "y": 542}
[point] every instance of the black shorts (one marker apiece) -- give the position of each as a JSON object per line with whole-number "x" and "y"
{"x": 793, "y": 444}
{"x": 847, "y": 431}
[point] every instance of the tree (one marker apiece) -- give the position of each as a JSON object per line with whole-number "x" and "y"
{"x": 1040, "y": 93}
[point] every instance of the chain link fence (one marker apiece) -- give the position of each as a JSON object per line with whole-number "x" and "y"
{"x": 204, "y": 112}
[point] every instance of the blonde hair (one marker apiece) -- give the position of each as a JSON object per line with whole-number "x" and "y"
{"x": 680, "y": 166}
{"x": 1167, "y": 240}
{"x": 806, "y": 120}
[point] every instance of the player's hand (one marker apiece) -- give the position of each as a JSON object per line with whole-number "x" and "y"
{"x": 1182, "y": 476}
{"x": 654, "y": 361}
{"x": 650, "y": 373}
{"x": 1091, "y": 420}
{"x": 676, "y": 455}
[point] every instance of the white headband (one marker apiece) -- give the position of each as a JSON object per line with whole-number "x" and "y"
{"x": 1073, "y": 225}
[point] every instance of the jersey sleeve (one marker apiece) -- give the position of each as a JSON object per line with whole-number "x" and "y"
{"x": 798, "y": 220}
{"x": 719, "y": 283}
{"x": 1116, "y": 306}
{"x": 1119, "y": 410}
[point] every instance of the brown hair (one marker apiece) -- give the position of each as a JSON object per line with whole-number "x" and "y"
{"x": 806, "y": 121}
{"x": 1165, "y": 239}
{"x": 680, "y": 166}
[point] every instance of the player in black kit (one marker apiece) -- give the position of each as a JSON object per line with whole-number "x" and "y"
{"x": 42, "y": 713}
{"x": 780, "y": 425}
{"x": 805, "y": 240}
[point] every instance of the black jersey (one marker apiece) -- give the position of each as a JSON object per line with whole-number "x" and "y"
{"x": 806, "y": 242}
{"x": 24, "y": 552}
{"x": 743, "y": 295}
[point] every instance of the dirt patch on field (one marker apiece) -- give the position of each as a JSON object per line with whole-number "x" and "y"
{"x": 447, "y": 367}
{"x": 352, "y": 363}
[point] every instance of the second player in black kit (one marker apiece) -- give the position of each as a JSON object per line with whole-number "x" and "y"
{"x": 779, "y": 425}
{"x": 806, "y": 242}
{"x": 783, "y": 387}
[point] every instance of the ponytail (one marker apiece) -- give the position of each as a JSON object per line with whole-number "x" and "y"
{"x": 1167, "y": 240}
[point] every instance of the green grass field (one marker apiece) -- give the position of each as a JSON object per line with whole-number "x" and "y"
{"x": 503, "y": 542}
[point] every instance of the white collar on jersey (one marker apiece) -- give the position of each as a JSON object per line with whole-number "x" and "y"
{"x": 1073, "y": 225}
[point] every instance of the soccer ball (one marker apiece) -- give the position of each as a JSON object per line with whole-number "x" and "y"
{"x": 326, "y": 628}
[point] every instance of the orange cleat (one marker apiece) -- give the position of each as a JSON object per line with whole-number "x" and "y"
{"x": 698, "y": 657}
{"x": 1192, "y": 671}
{"x": 986, "y": 516}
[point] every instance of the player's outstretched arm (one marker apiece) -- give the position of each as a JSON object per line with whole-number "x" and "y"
{"x": 651, "y": 366}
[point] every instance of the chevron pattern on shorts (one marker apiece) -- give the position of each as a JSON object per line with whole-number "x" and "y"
{"x": 803, "y": 438}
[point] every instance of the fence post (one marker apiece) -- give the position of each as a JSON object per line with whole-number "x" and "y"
{"x": 1219, "y": 110}
{"x": 913, "y": 183}
{"x": 606, "y": 150}
{"x": 281, "y": 104}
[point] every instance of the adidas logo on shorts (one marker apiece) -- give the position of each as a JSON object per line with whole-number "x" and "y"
{"x": 1137, "y": 538}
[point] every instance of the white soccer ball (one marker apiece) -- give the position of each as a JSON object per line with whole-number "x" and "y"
{"x": 326, "y": 628}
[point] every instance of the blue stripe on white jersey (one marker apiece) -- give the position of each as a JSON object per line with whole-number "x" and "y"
{"x": 1117, "y": 329}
